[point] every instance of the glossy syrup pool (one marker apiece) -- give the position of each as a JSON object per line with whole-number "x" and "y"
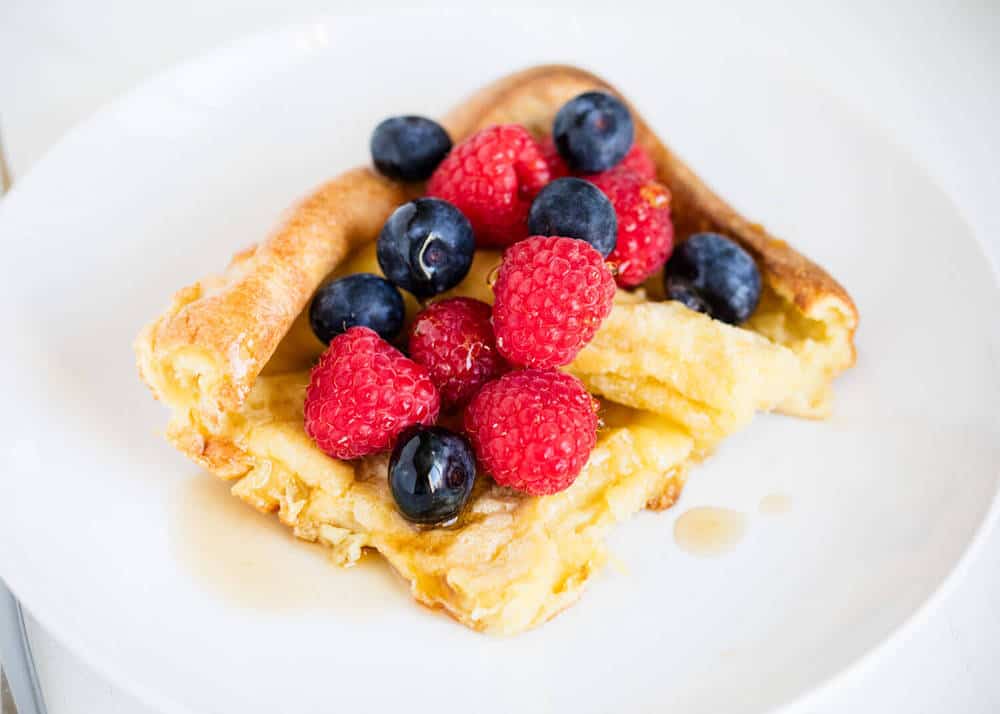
{"x": 708, "y": 532}
{"x": 774, "y": 504}
{"x": 251, "y": 560}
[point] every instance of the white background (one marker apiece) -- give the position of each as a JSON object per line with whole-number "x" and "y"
{"x": 928, "y": 73}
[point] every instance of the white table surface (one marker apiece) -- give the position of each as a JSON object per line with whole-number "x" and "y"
{"x": 928, "y": 73}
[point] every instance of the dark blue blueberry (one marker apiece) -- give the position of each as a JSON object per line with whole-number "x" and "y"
{"x": 575, "y": 208}
{"x": 409, "y": 148}
{"x": 712, "y": 274}
{"x": 431, "y": 472}
{"x": 426, "y": 247}
{"x": 593, "y": 132}
{"x": 363, "y": 299}
{"x": 685, "y": 294}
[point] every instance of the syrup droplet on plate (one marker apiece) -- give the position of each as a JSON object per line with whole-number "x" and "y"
{"x": 774, "y": 504}
{"x": 708, "y": 532}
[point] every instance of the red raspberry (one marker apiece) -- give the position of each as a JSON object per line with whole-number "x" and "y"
{"x": 533, "y": 430}
{"x": 645, "y": 231}
{"x": 639, "y": 161}
{"x": 635, "y": 160}
{"x": 552, "y": 294}
{"x": 557, "y": 167}
{"x": 492, "y": 178}
{"x": 454, "y": 340}
{"x": 363, "y": 393}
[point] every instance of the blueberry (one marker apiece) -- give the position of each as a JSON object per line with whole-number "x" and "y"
{"x": 363, "y": 299}
{"x": 712, "y": 274}
{"x": 431, "y": 472}
{"x": 409, "y": 148}
{"x": 426, "y": 246}
{"x": 685, "y": 294}
{"x": 593, "y": 132}
{"x": 575, "y": 208}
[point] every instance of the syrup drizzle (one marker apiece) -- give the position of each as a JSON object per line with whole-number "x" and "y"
{"x": 774, "y": 504}
{"x": 709, "y": 532}
{"x": 250, "y": 560}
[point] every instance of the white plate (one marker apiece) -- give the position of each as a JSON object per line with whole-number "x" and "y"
{"x": 145, "y": 567}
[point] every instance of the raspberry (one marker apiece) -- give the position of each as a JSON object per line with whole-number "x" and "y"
{"x": 635, "y": 160}
{"x": 557, "y": 167}
{"x": 454, "y": 340}
{"x": 492, "y": 177}
{"x": 639, "y": 161}
{"x": 363, "y": 393}
{"x": 533, "y": 430}
{"x": 552, "y": 293}
{"x": 645, "y": 231}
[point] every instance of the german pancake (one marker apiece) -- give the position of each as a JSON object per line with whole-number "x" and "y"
{"x": 231, "y": 358}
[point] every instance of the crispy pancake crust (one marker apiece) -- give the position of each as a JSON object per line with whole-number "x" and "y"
{"x": 205, "y": 352}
